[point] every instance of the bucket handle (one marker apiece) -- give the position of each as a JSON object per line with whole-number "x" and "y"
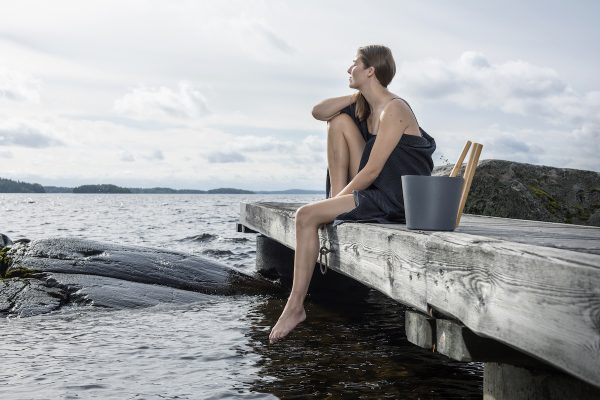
{"x": 468, "y": 174}
{"x": 458, "y": 164}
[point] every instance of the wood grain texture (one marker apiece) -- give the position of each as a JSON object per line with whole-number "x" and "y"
{"x": 542, "y": 301}
{"x": 534, "y": 286}
{"x": 579, "y": 238}
{"x": 458, "y": 342}
{"x": 509, "y": 382}
{"x": 374, "y": 256}
{"x": 420, "y": 329}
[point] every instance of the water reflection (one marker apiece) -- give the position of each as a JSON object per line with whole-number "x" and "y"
{"x": 353, "y": 348}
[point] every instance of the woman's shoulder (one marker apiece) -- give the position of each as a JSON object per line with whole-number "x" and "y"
{"x": 399, "y": 103}
{"x": 398, "y": 107}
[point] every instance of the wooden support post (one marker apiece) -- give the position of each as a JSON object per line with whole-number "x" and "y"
{"x": 273, "y": 260}
{"x": 458, "y": 342}
{"x": 505, "y": 381}
{"x": 244, "y": 229}
{"x": 276, "y": 261}
{"x": 420, "y": 329}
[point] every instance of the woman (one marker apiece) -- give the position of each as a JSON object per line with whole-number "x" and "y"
{"x": 373, "y": 138}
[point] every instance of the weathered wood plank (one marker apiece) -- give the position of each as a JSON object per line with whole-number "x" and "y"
{"x": 420, "y": 329}
{"x": 374, "y": 256}
{"x": 509, "y": 382}
{"x": 456, "y": 341}
{"x": 580, "y": 238}
{"x": 541, "y": 300}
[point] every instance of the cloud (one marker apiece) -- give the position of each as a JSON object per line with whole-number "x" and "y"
{"x": 267, "y": 150}
{"x": 510, "y": 148}
{"x": 25, "y": 135}
{"x": 6, "y": 154}
{"x": 272, "y": 39}
{"x": 18, "y": 86}
{"x": 184, "y": 102}
{"x": 126, "y": 157}
{"x": 258, "y": 144}
{"x": 155, "y": 155}
{"x": 310, "y": 150}
{"x": 514, "y": 87}
{"x": 315, "y": 143}
{"x": 225, "y": 157}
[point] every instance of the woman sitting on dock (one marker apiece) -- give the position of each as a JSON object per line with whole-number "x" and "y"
{"x": 364, "y": 169}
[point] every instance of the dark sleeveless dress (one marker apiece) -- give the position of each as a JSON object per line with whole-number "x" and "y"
{"x": 383, "y": 201}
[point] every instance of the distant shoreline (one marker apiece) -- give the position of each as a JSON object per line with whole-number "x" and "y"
{"x": 11, "y": 186}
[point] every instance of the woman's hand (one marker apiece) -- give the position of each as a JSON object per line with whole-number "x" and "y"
{"x": 329, "y": 108}
{"x": 362, "y": 180}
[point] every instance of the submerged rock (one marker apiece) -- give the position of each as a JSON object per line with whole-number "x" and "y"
{"x": 46, "y": 275}
{"x": 535, "y": 192}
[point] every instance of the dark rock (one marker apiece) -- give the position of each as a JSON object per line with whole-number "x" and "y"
{"x": 117, "y": 293}
{"x": 5, "y": 241}
{"x": 45, "y": 275}
{"x": 534, "y": 192}
{"x": 28, "y": 297}
{"x": 10, "y": 288}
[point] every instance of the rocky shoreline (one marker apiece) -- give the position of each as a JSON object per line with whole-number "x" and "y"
{"x": 48, "y": 275}
{"x": 509, "y": 189}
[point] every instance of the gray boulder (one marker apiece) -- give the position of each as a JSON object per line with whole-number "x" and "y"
{"x": 535, "y": 192}
{"x": 4, "y": 240}
{"x": 47, "y": 275}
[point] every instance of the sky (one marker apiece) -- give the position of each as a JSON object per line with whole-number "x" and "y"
{"x": 209, "y": 94}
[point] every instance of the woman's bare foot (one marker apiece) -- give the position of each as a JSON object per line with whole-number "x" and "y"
{"x": 290, "y": 317}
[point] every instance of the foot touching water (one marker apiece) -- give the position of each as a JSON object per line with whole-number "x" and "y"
{"x": 290, "y": 317}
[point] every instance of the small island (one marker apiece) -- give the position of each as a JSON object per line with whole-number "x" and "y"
{"x": 10, "y": 186}
{"x": 100, "y": 189}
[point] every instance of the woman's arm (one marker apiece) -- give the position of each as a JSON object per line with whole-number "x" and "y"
{"x": 329, "y": 108}
{"x": 392, "y": 123}
{"x": 361, "y": 181}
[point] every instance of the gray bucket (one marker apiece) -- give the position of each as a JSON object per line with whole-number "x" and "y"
{"x": 431, "y": 202}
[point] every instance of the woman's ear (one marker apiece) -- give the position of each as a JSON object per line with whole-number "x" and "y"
{"x": 370, "y": 71}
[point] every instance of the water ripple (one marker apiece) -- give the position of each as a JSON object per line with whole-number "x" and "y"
{"x": 215, "y": 350}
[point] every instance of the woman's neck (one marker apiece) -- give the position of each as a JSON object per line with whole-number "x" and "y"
{"x": 376, "y": 95}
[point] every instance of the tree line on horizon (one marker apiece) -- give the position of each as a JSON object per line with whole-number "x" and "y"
{"x": 12, "y": 186}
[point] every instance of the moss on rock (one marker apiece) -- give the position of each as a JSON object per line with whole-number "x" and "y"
{"x": 19, "y": 272}
{"x": 5, "y": 261}
{"x": 550, "y": 202}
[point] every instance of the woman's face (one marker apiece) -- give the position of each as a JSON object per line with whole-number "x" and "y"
{"x": 358, "y": 73}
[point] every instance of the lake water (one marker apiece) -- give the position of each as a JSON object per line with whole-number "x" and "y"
{"x": 353, "y": 349}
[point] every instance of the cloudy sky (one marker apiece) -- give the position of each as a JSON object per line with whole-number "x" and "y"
{"x": 207, "y": 94}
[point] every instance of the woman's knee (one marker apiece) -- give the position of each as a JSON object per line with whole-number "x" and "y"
{"x": 339, "y": 123}
{"x": 305, "y": 216}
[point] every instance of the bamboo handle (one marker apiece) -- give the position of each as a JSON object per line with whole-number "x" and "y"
{"x": 458, "y": 164}
{"x": 469, "y": 173}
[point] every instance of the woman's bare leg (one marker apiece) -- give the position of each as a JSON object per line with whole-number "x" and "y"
{"x": 308, "y": 219}
{"x": 345, "y": 146}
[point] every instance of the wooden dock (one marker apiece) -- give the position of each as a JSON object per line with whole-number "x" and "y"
{"x": 497, "y": 290}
